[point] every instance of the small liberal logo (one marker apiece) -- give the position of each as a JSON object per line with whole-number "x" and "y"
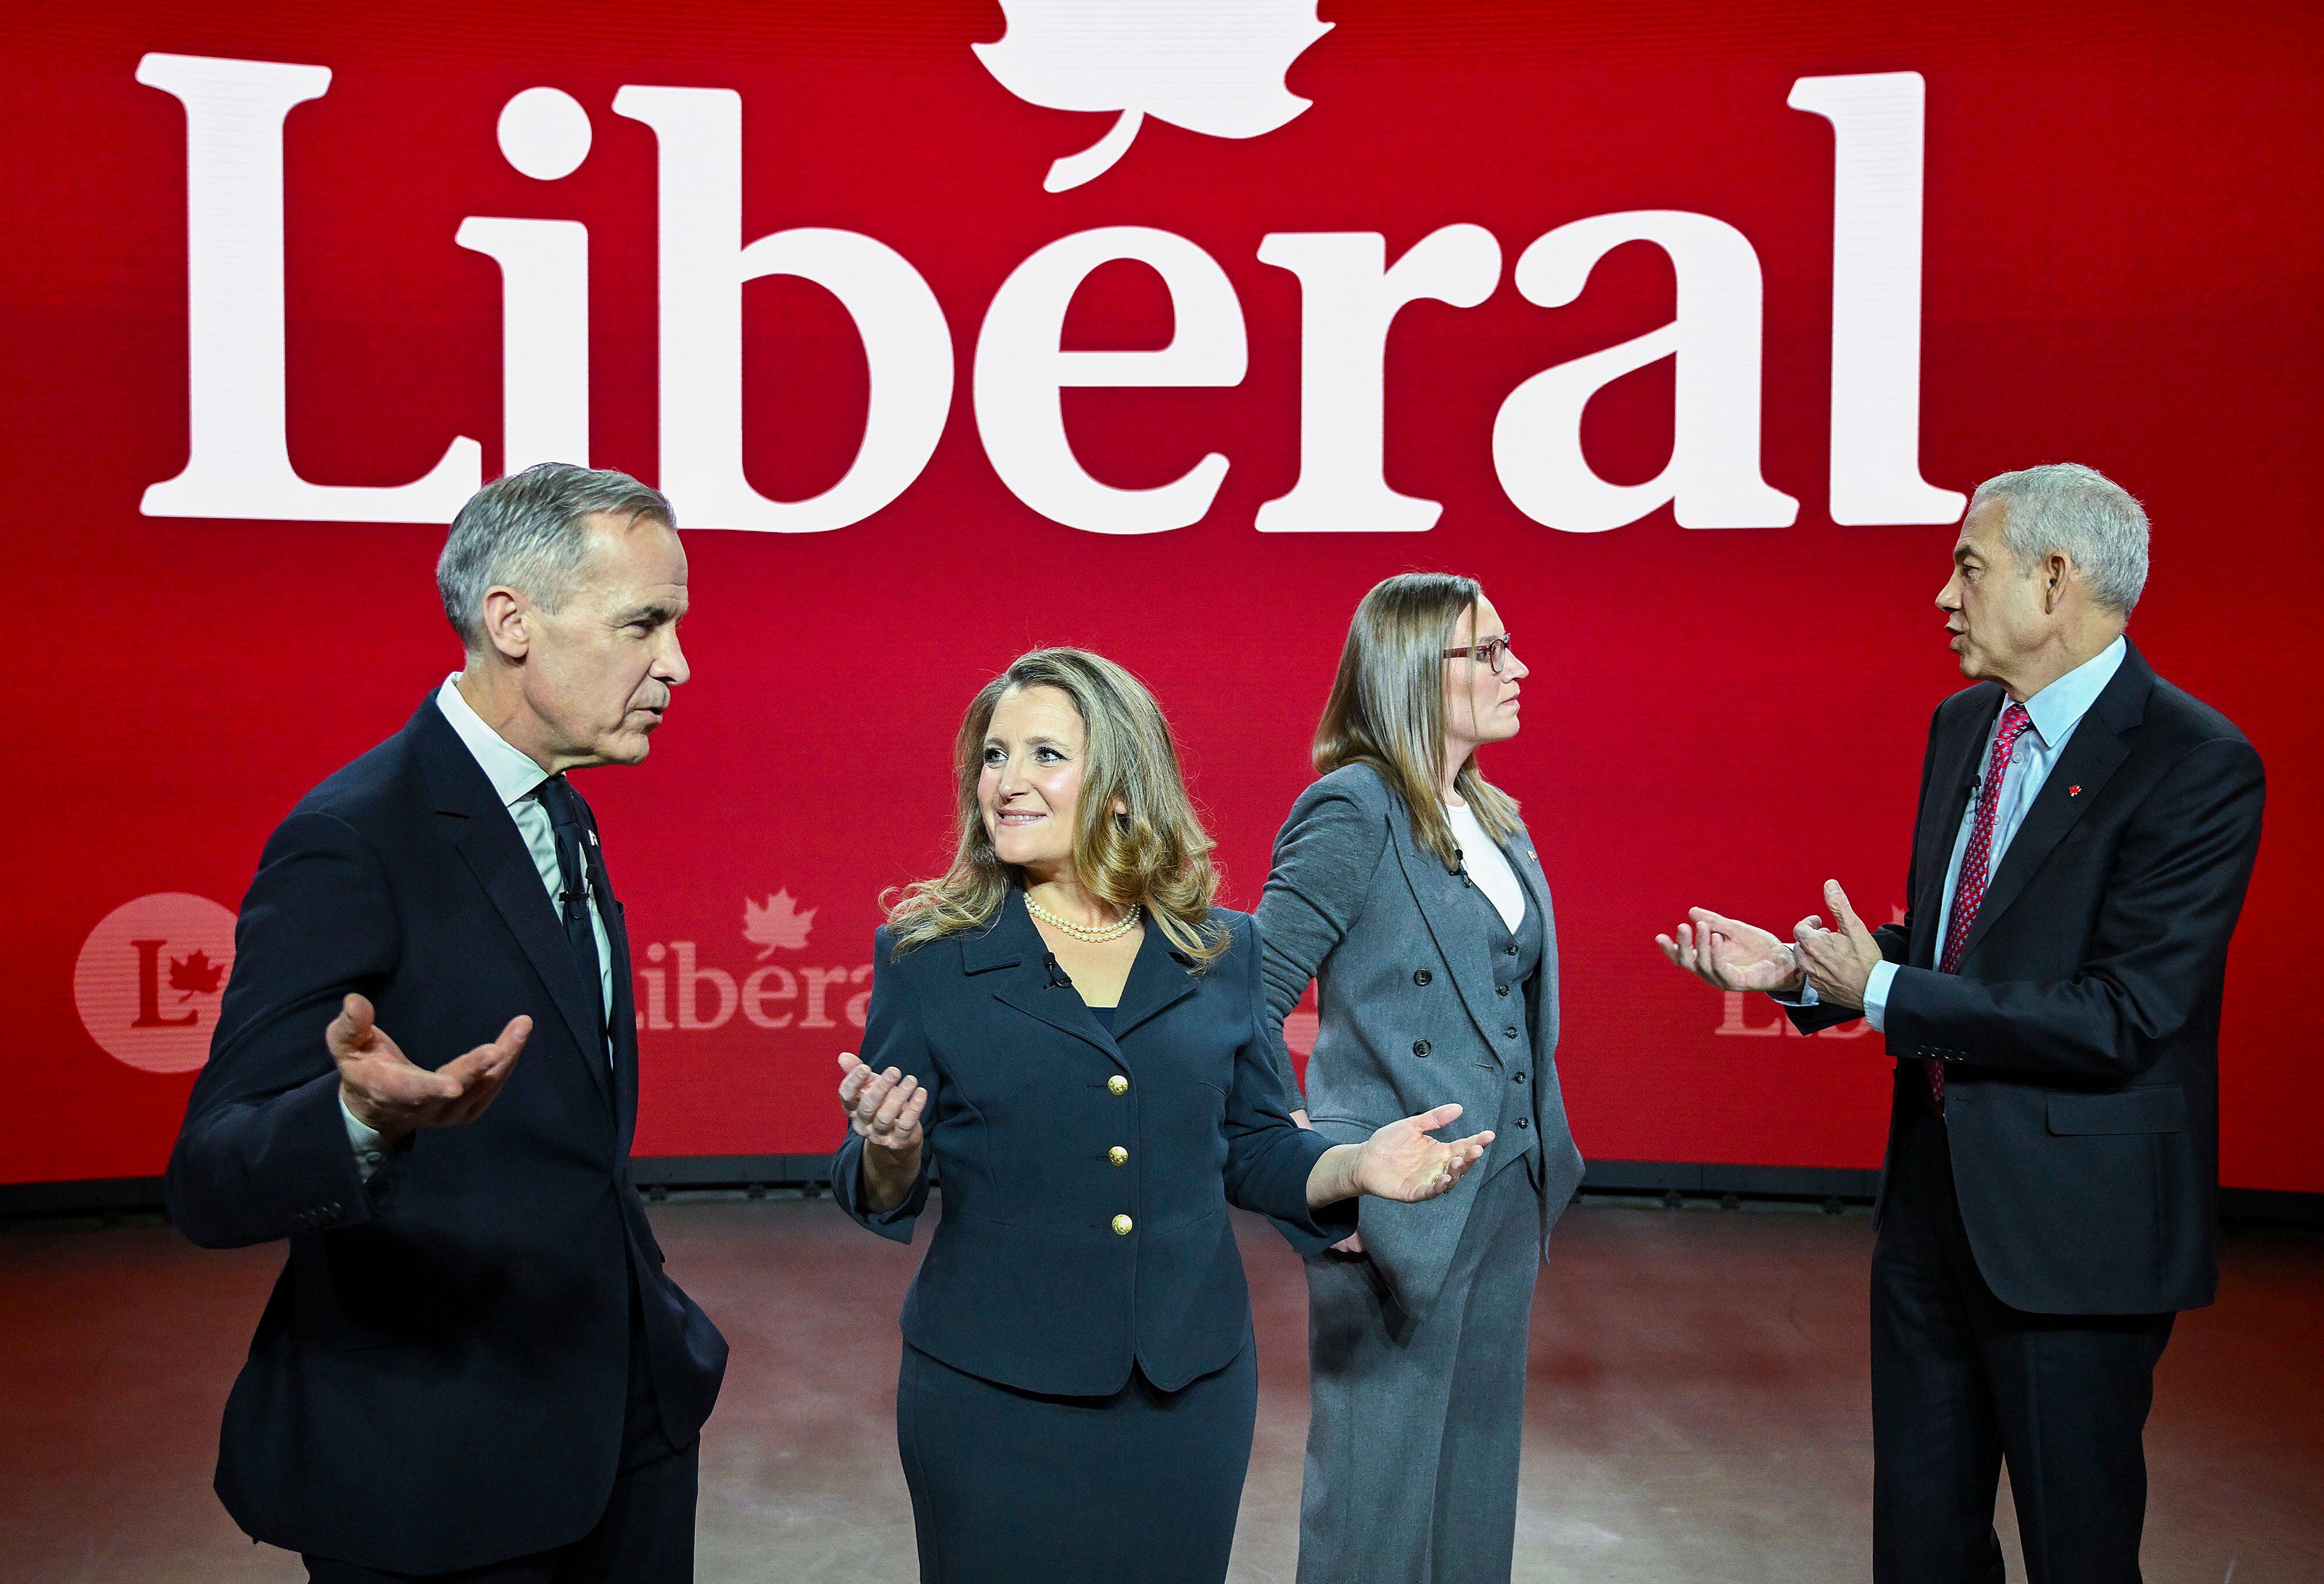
{"x": 150, "y": 977}
{"x": 779, "y": 922}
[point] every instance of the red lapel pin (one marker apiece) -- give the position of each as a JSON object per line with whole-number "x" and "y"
{"x": 2073, "y": 791}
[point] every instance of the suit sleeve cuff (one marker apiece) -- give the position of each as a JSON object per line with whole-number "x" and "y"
{"x": 369, "y": 1144}
{"x": 847, "y": 1192}
{"x": 314, "y": 1131}
{"x": 1311, "y": 1229}
{"x": 1876, "y": 996}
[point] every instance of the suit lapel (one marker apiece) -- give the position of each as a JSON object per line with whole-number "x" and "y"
{"x": 1945, "y": 801}
{"x": 1027, "y": 988}
{"x": 623, "y": 1027}
{"x": 1442, "y": 897}
{"x": 1013, "y": 944}
{"x": 1158, "y": 981}
{"x": 1527, "y": 863}
{"x": 502, "y": 865}
{"x": 488, "y": 842}
{"x": 2091, "y": 756}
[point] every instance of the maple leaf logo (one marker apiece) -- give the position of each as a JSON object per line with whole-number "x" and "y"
{"x": 1215, "y": 67}
{"x": 196, "y": 975}
{"x": 779, "y": 922}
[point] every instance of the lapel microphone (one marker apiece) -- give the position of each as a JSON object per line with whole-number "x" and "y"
{"x": 1057, "y": 977}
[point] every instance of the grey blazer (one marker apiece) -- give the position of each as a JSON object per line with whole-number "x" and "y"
{"x": 1355, "y": 904}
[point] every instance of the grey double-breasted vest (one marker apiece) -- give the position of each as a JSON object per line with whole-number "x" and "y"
{"x": 1516, "y": 956}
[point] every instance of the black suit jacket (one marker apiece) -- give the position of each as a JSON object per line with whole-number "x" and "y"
{"x": 1026, "y": 1282}
{"x": 2081, "y": 1034}
{"x": 439, "y": 1379}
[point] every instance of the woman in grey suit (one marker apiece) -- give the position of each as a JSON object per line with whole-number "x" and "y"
{"x": 1404, "y": 885}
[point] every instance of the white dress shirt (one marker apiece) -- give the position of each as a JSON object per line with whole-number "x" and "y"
{"x": 2055, "y": 711}
{"x": 1487, "y": 864}
{"x": 515, "y": 777}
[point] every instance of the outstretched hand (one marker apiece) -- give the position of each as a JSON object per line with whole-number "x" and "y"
{"x": 1401, "y": 1162}
{"x": 387, "y": 1092}
{"x": 1729, "y": 954}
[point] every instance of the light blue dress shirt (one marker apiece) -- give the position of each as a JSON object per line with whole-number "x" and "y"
{"x": 2055, "y": 711}
{"x": 515, "y": 777}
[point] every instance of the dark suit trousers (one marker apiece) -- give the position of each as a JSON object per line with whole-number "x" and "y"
{"x": 646, "y": 1535}
{"x": 1960, "y": 1381}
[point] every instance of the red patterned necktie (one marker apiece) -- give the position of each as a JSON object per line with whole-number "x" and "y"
{"x": 1976, "y": 864}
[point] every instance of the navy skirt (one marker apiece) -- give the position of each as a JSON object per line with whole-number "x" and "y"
{"x": 1011, "y": 1486}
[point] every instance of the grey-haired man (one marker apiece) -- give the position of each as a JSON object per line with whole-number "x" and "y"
{"x": 473, "y": 1362}
{"x": 2085, "y": 834}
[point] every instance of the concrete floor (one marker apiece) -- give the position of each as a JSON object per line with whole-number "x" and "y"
{"x": 1697, "y": 1412}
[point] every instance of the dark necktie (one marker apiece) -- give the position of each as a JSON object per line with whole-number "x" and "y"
{"x": 1976, "y": 864}
{"x": 564, "y": 805}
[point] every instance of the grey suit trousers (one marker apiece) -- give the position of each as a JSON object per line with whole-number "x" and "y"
{"x": 1412, "y": 1451}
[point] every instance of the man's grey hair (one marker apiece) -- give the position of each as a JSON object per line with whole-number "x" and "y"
{"x": 2062, "y": 508}
{"x": 528, "y": 531}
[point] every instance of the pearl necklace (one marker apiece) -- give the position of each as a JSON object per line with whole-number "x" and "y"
{"x": 1083, "y": 932}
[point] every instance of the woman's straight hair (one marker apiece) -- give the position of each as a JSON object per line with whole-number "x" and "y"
{"x": 1387, "y": 708}
{"x": 1156, "y": 855}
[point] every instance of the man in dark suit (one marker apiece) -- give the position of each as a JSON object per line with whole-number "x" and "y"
{"x": 472, "y": 1363}
{"x": 2085, "y": 837}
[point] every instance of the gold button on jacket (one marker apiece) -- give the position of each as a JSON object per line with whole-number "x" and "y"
{"x": 1118, "y": 1155}
{"x": 1117, "y": 1084}
{"x": 1121, "y": 1224}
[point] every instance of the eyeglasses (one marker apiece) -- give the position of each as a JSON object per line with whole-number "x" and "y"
{"x": 1494, "y": 651}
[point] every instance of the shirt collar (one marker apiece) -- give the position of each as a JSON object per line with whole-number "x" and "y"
{"x": 2058, "y": 708}
{"x": 514, "y": 775}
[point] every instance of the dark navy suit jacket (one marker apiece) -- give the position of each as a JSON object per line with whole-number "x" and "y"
{"x": 439, "y": 1379}
{"x": 2081, "y": 1034}
{"x": 1027, "y": 1281}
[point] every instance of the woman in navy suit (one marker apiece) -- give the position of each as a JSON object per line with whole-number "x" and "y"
{"x": 1066, "y": 1030}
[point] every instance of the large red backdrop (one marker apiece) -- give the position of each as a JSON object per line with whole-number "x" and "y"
{"x": 2116, "y": 263}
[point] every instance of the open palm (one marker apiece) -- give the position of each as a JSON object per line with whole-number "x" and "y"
{"x": 388, "y": 1092}
{"x": 1402, "y": 1163}
{"x": 1729, "y": 955}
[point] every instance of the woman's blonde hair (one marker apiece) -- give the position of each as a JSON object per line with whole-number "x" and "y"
{"x": 1155, "y": 853}
{"x": 1387, "y": 708}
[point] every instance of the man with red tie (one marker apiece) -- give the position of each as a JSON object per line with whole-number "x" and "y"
{"x": 2085, "y": 835}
